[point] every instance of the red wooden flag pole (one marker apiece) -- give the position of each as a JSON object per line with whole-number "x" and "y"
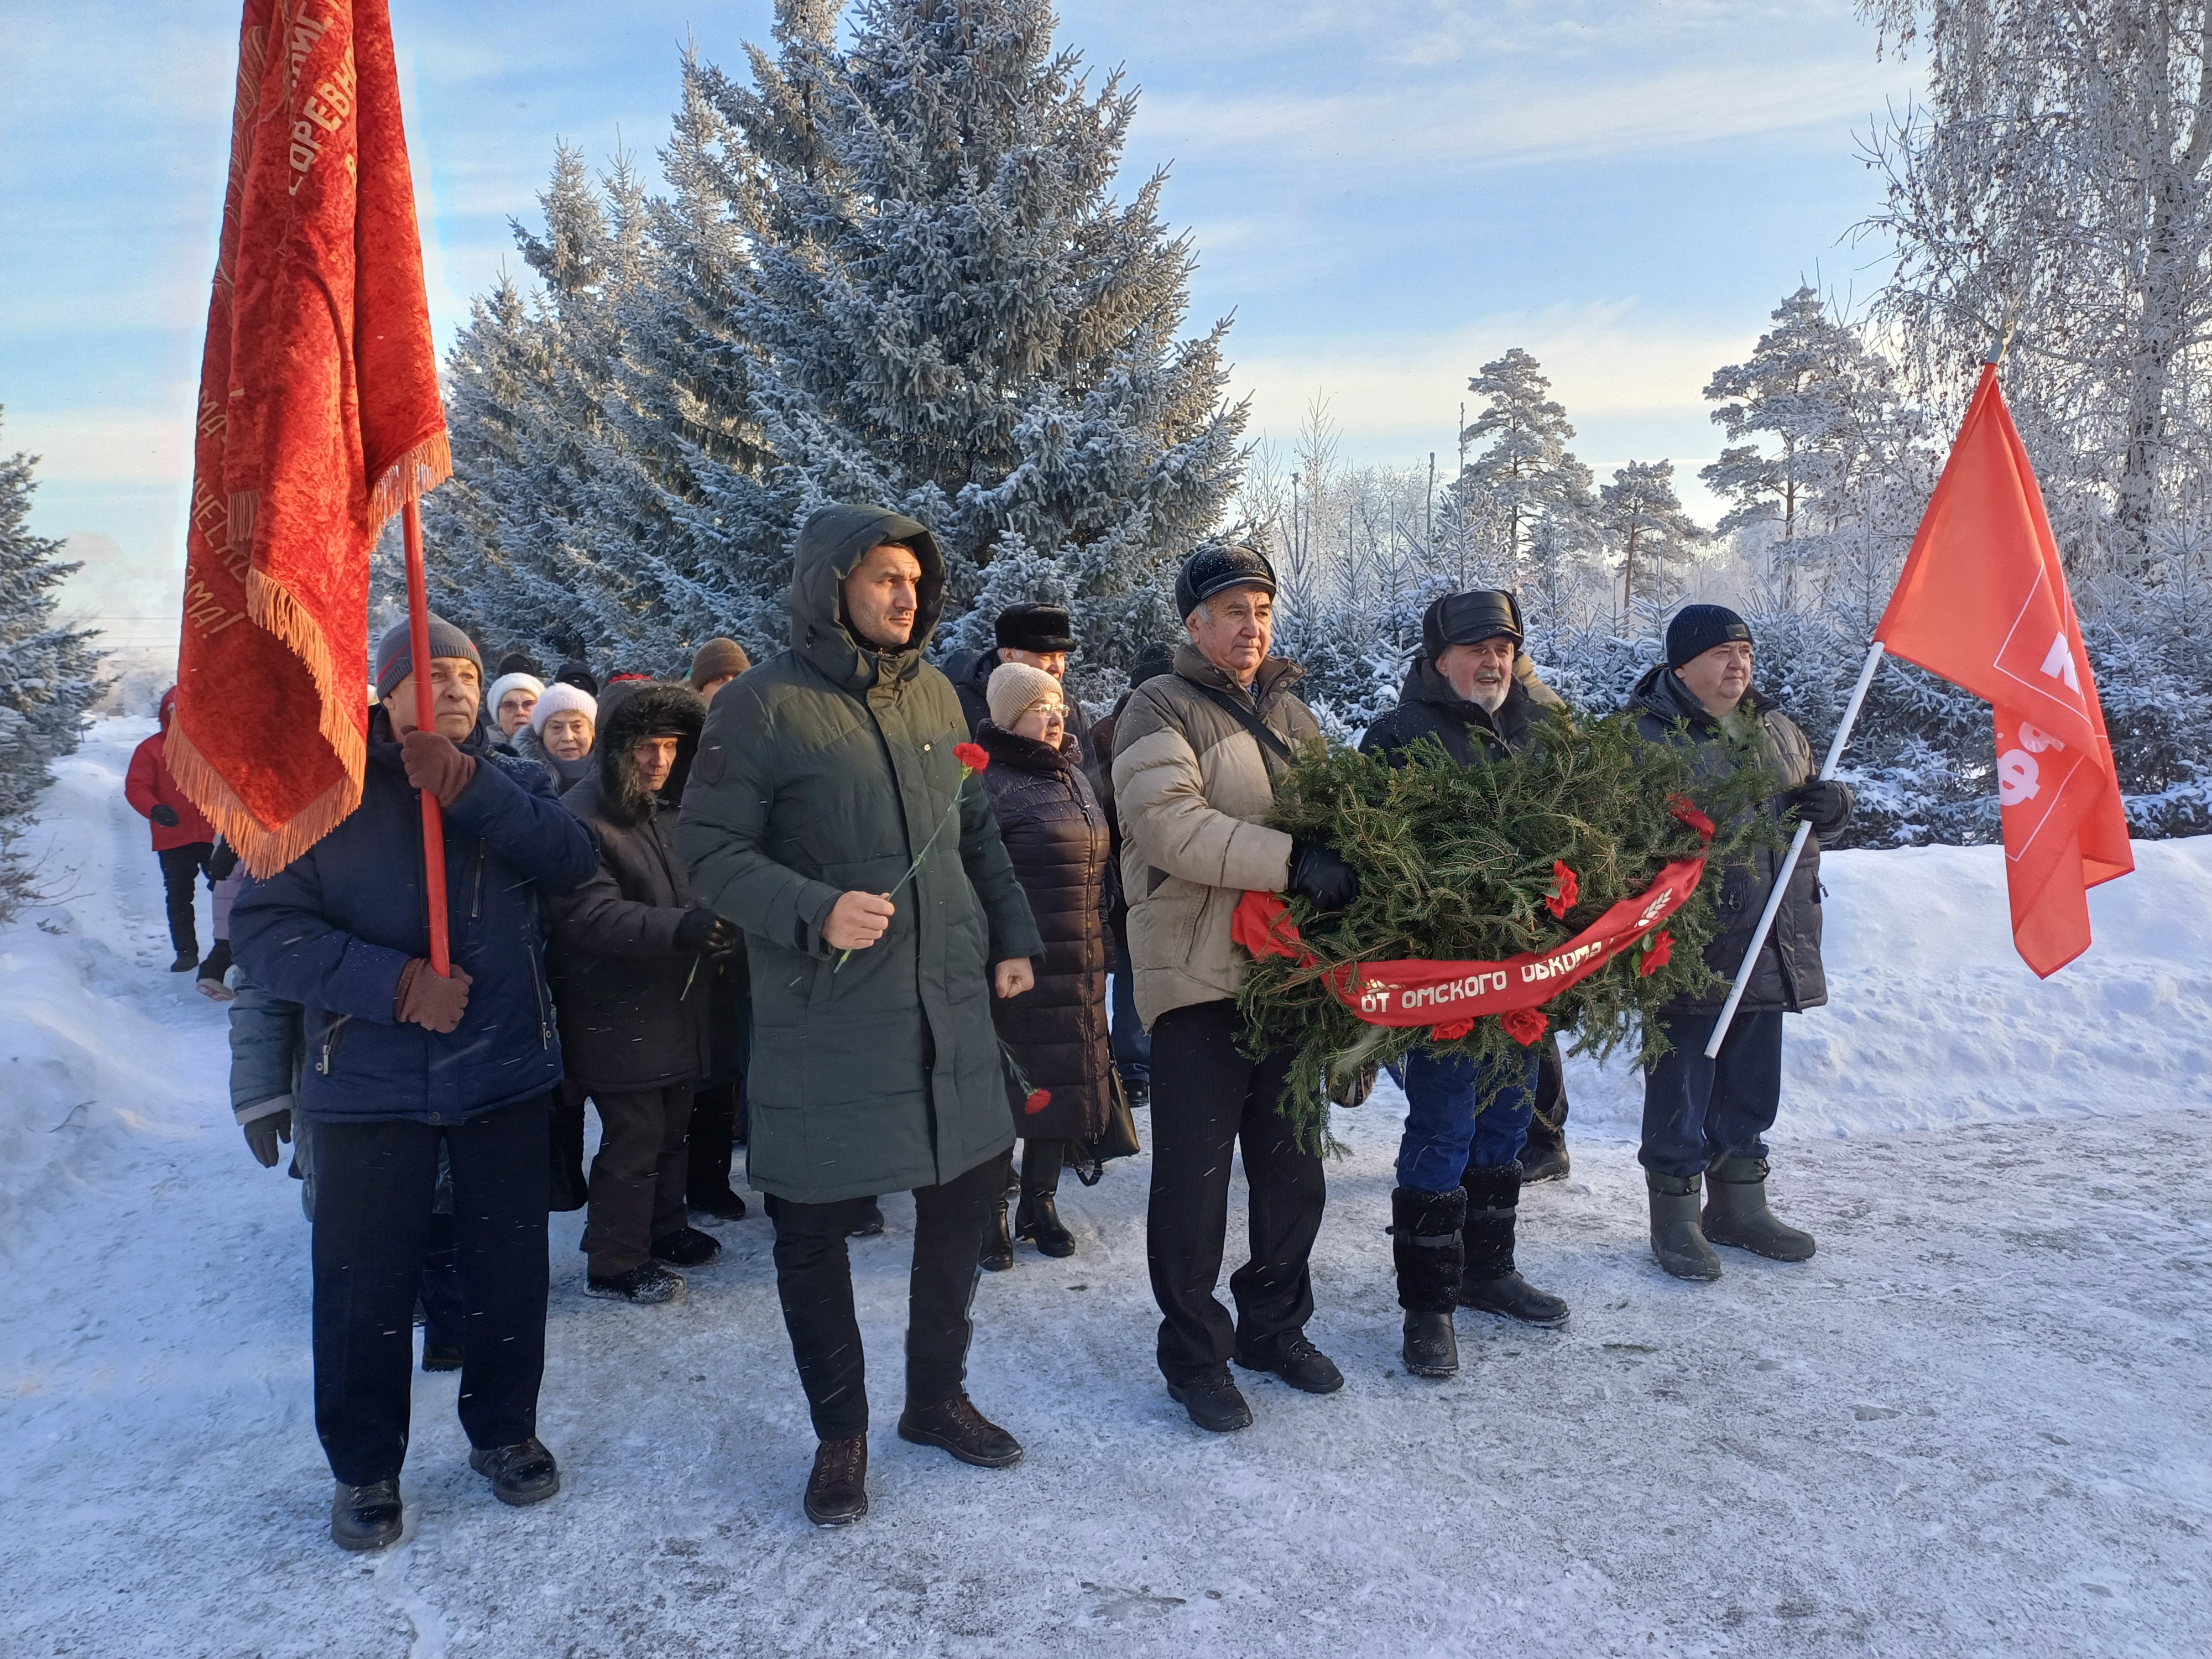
{"x": 418, "y": 652}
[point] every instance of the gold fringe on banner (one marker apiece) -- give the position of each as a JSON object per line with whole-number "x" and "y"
{"x": 421, "y": 469}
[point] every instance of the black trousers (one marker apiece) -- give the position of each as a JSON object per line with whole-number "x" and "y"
{"x": 179, "y": 865}
{"x": 814, "y": 1281}
{"x": 375, "y": 1184}
{"x": 1698, "y": 1111}
{"x": 1206, "y": 1097}
{"x": 1547, "y": 1127}
{"x": 637, "y": 1178}
{"x": 717, "y": 1126}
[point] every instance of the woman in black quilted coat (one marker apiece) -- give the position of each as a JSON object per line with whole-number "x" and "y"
{"x": 1057, "y": 833}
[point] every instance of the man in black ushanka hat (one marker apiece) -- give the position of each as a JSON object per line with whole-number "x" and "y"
{"x": 1454, "y": 1212}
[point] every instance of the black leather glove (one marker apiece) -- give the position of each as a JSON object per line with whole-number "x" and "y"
{"x": 165, "y": 815}
{"x": 702, "y": 929}
{"x": 1319, "y": 874}
{"x": 1823, "y": 803}
{"x": 263, "y": 1134}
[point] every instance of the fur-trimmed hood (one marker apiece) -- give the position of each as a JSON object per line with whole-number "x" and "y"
{"x": 631, "y": 710}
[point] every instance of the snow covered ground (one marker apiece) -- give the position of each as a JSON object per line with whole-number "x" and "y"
{"x": 1975, "y": 1423}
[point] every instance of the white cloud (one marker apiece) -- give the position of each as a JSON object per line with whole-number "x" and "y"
{"x": 1403, "y": 137}
{"x": 111, "y": 447}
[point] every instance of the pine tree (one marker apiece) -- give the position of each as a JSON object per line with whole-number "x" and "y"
{"x": 1646, "y": 529}
{"x": 1526, "y": 487}
{"x": 49, "y": 673}
{"x": 1826, "y": 400}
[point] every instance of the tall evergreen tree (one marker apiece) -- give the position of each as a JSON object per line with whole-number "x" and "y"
{"x": 1827, "y": 401}
{"x": 1525, "y": 487}
{"x": 49, "y": 671}
{"x": 1647, "y": 530}
{"x": 948, "y": 312}
{"x": 891, "y": 269}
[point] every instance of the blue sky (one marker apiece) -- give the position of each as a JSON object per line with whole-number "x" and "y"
{"x": 1386, "y": 195}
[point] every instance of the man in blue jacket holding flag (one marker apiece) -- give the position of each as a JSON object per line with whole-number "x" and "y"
{"x": 401, "y": 1059}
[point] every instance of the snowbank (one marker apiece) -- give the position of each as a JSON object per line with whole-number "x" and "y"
{"x": 1974, "y": 1424}
{"x": 102, "y": 1049}
{"x": 1933, "y": 1018}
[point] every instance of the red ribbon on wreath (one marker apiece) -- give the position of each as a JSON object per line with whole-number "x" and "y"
{"x": 1410, "y": 990}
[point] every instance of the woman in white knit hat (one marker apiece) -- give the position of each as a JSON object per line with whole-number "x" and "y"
{"x": 510, "y": 699}
{"x": 560, "y": 734}
{"x": 1057, "y": 833}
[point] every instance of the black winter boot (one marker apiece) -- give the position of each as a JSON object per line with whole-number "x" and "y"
{"x": 1737, "y": 1212}
{"x": 366, "y": 1517}
{"x": 1425, "y": 1241}
{"x": 1677, "y": 1239}
{"x": 647, "y": 1284}
{"x": 687, "y": 1247}
{"x": 998, "y": 1252}
{"x": 871, "y": 1224}
{"x": 213, "y": 971}
{"x": 1544, "y": 1160}
{"x": 1038, "y": 1220}
{"x": 520, "y": 1475}
{"x": 1489, "y": 1282}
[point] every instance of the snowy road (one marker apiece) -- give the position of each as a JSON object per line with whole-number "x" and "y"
{"x": 1977, "y": 1422}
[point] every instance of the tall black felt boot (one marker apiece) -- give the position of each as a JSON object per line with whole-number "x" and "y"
{"x": 997, "y": 1253}
{"x": 1038, "y": 1220}
{"x": 1425, "y": 1242}
{"x": 1490, "y": 1283}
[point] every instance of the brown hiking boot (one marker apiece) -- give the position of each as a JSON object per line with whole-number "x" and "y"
{"x": 837, "y": 1490}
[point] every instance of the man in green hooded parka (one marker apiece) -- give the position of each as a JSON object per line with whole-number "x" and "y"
{"x": 830, "y": 817}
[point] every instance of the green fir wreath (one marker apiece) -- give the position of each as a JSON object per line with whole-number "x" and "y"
{"x": 1458, "y": 862}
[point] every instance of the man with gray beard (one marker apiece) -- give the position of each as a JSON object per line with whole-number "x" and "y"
{"x": 1459, "y": 1171}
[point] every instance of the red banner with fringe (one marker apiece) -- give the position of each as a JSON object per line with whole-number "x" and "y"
{"x": 1452, "y": 995}
{"x": 319, "y": 415}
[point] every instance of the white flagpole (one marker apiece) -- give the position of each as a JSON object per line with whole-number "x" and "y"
{"x": 1789, "y": 861}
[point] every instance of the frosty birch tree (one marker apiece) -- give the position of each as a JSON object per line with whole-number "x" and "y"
{"x": 2063, "y": 164}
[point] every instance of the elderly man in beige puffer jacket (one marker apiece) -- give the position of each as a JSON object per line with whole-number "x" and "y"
{"x": 1195, "y": 754}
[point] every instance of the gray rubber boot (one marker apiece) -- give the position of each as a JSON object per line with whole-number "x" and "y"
{"x": 1677, "y": 1240}
{"x": 1737, "y": 1212}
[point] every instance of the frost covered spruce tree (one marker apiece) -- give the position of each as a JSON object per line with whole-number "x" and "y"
{"x": 890, "y": 268}
{"x": 948, "y": 312}
{"x": 530, "y": 539}
{"x": 49, "y": 673}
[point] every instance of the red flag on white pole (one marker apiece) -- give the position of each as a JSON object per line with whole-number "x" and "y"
{"x": 1983, "y": 602}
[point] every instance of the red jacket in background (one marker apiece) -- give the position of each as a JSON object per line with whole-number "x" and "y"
{"x": 148, "y": 785}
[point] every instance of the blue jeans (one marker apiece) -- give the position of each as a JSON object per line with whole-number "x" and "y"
{"x": 1698, "y": 1111}
{"x": 1131, "y": 1042}
{"x": 1450, "y": 1131}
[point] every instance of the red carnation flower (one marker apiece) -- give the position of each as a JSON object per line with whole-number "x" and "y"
{"x": 1451, "y": 1031}
{"x": 1524, "y": 1025}
{"x": 971, "y": 756}
{"x": 1566, "y": 890}
{"x": 1686, "y": 810}
{"x": 1656, "y": 950}
{"x": 1038, "y": 1101}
